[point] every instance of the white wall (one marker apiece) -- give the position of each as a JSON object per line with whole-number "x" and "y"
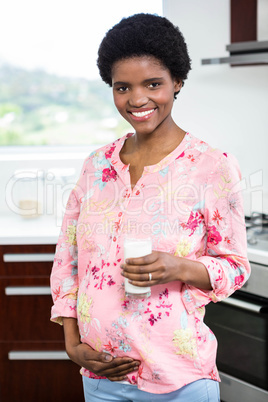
{"x": 225, "y": 106}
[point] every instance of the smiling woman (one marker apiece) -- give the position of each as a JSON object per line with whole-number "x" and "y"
{"x": 162, "y": 185}
{"x": 46, "y": 96}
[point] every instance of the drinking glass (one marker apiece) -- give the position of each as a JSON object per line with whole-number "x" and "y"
{"x": 134, "y": 248}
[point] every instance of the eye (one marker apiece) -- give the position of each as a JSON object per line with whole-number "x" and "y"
{"x": 121, "y": 89}
{"x": 154, "y": 85}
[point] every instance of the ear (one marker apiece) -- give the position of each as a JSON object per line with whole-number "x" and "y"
{"x": 177, "y": 85}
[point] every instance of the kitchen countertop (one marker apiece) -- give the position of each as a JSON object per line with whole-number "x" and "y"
{"x": 258, "y": 253}
{"x": 45, "y": 230}
{"x": 17, "y": 230}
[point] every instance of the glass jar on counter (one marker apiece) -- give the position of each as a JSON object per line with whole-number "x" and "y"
{"x": 25, "y": 193}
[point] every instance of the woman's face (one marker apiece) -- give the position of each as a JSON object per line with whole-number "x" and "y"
{"x": 143, "y": 91}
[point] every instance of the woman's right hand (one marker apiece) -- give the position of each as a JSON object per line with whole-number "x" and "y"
{"x": 99, "y": 363}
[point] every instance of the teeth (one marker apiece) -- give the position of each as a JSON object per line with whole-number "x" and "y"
{"x": 142, "y": 114}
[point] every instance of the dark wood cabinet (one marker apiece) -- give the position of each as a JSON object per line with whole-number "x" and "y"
{"x": 33, "y": 364}
{"x": 243, "y": 20}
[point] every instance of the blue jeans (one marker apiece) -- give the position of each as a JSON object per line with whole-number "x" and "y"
{"x": 203, "y": 390}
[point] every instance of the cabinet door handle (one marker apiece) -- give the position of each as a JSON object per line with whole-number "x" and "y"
{"x": 255, "y": 308}
{"x": 27, "y": 290}
{"x": 33, "y": 257}
{"x": 38, "y": 355}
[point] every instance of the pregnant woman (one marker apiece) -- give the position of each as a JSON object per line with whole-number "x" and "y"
{"x": 160, "y": 182}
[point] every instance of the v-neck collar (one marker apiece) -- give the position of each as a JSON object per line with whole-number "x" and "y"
{"x": 167, "y": 160}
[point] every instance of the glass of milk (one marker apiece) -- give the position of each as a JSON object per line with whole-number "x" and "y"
{"x": 134, "y": 248}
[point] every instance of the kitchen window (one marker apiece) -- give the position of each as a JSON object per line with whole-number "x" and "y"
{"x": 50, "y": 90}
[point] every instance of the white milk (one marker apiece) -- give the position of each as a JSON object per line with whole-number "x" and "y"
{"x": 134, "y": 248}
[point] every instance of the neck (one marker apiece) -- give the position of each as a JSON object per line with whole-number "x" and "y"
{"x": 159, "y": 141}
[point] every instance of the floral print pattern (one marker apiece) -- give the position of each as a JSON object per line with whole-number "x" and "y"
{"x": 185, "y": 343}
{"x": 83, "y": 308}
{"x": 214, "y": 236}
{"x": 183, "y": 248}
{"x": 108, "y": 174}
{"x": 189, "y": 205}
{"x": 71, "y": 235}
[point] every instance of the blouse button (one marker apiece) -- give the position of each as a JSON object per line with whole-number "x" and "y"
{"x": 120, "y": 214}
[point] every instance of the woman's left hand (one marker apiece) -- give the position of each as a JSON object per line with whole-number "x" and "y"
{"x": 153, "y": 269}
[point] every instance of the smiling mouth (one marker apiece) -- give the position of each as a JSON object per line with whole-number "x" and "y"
{"x": 143, "y": 114}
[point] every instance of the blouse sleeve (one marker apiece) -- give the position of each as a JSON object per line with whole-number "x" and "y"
{"x": 64, "y": 275}
{"x": 225, "y": 256}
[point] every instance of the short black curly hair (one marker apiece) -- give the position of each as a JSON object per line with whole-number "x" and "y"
{"x": 144, "y": 35}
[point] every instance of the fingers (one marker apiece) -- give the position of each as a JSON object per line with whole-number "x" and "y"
{"x": 119, "y": 367}
{"x": 121, "y": 370}
{"x": 153, "y": 269}
{"x": 141, "y": 270}
{"x": 142, "y": 280}
{"x": 104, "y": 364}
{"x": 146, "y": 260}
{"x": 108, "y": 359}
{"x": 120, "y": 377}
{"x": 91, "y": 354}
{"x": 141, "y": 266}
{"x": 143, "y": 274}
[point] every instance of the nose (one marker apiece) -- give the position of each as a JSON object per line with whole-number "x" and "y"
{"x": 138, "y": 98}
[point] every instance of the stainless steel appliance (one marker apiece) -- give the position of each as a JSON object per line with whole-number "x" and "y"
{"x": 240, "y": 324}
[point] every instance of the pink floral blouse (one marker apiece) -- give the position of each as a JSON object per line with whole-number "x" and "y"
{"x": 191, "y": 206}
